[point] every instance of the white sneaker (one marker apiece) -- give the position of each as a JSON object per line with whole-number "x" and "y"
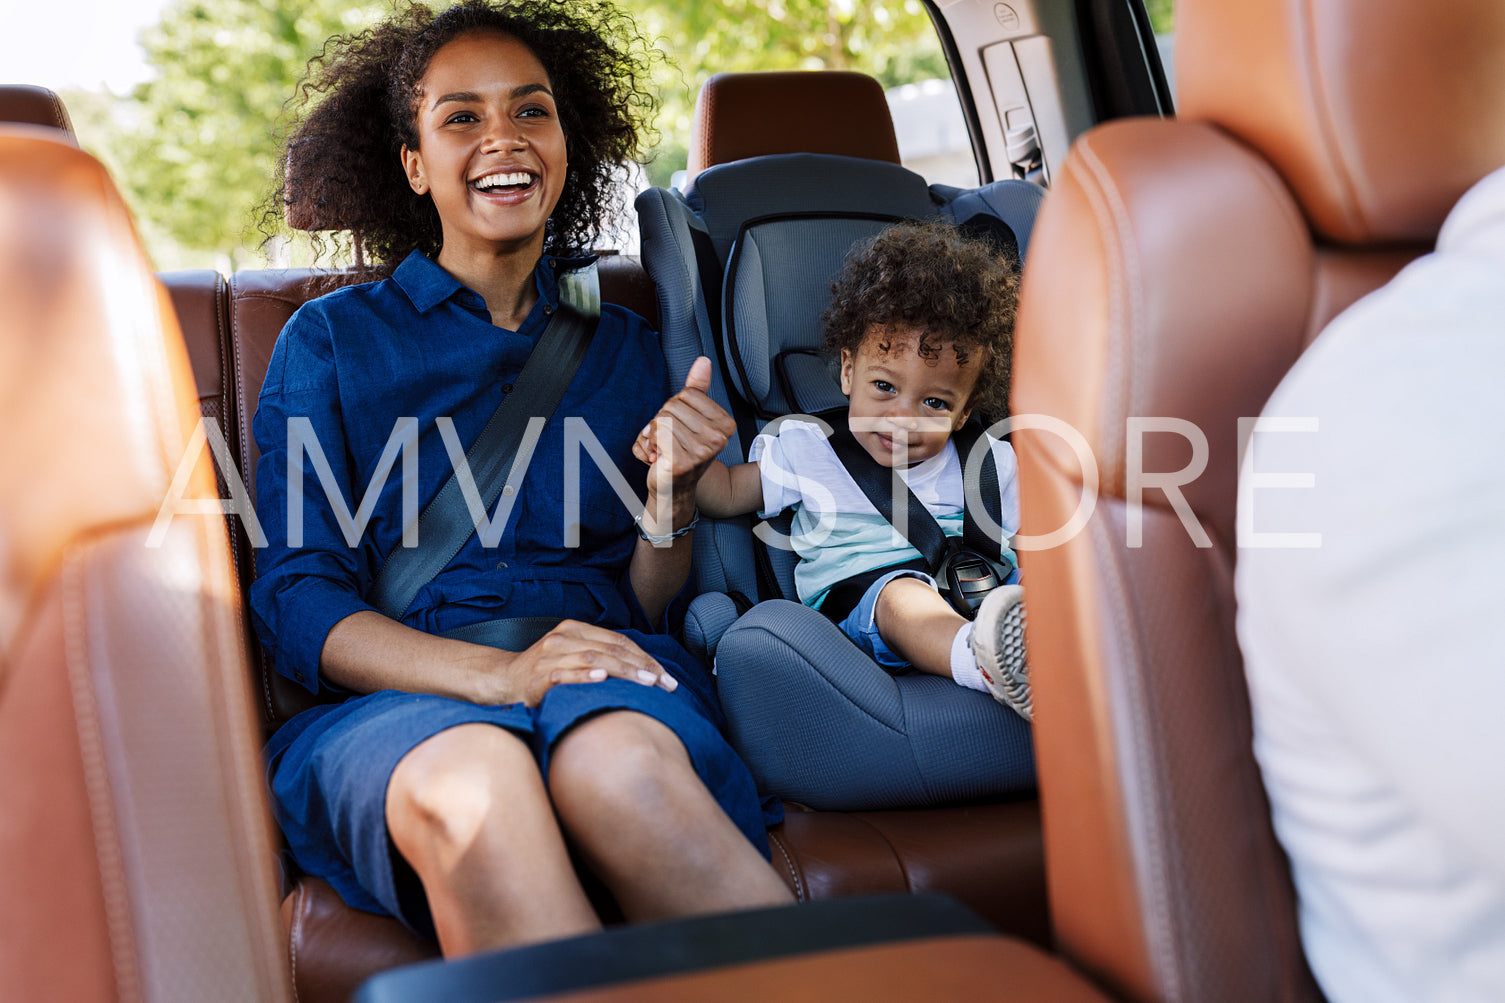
{"x": 998, "y": 646}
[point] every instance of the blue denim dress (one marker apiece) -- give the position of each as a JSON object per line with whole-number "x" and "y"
{"x": 346, "y": 371}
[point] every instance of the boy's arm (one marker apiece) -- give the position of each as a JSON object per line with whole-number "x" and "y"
{"x": 725, "y": 491}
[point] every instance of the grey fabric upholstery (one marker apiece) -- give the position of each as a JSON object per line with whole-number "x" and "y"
{"x": 1014, "y": 202}
{"x": 708, "y": 617}
{"x": 723, "y": 549}
{"x": 818, "y": 722}
{"x": 778, "y": 282}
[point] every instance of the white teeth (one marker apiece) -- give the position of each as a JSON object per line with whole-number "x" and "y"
{"x": 499, "y": 180}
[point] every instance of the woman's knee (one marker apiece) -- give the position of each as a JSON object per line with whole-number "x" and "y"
{"x": 620, "y": 758}
{"x": 447, "y": 788}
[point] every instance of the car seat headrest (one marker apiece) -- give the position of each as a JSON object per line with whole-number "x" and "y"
{"x": 34, "y": 106}
{"x": 741, "y": 115}
{"x": 1379, "y": 114}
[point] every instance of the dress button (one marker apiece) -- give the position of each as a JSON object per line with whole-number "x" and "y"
{"x": 506, "y": 388}
{"x": 547, "y": 309}
{"x": 509, "y": 490}
{"x": 500, "y": 565}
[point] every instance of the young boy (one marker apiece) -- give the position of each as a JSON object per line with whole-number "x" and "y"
{"x": 922, "y": 319}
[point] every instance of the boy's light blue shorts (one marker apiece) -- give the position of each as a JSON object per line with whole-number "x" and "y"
{"x": 861, "y": 624}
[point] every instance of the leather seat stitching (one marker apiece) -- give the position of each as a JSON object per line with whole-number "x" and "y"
{"x": 104, "y": 825}
{"x": 295, "y": 933}
{"x": 799, "y": 885}
{"x": 1123, "y": 310}
{"x": 1151, "y": 878}
{"x": 1321, "y": 110}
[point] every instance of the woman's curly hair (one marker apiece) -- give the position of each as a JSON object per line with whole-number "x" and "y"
{"x": 342, "y": 169}
{"x": 953, "y": 289}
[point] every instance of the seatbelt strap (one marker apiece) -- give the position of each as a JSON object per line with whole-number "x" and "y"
{"x": 516, "y": 633}
{"x": 445, "y": 524}
{"x": 925, "y": 534}
{"x": 987, "y": 483}
{"x": 875, "y": 481}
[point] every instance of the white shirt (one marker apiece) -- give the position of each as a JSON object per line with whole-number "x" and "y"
{"x": 1376, "y": 662}
{"x": 837, "y": 532}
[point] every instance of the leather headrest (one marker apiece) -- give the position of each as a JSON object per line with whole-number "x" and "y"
{"x": 96, "y": 395}
{"x": 1379, "y": 114}
{"x": 741, "y": 115}
{"x": 34, "y": 106}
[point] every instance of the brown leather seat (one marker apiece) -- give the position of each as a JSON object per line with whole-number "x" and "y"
{"x": 1177, "y": 270}
{"x": 741, "y": 115}
{"x": 135, "y": 844}
{"x": 31, "y": 105}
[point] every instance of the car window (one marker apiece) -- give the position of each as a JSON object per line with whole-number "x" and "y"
{"x": 896, "y": 43}
{"x": 1163, "y": 21}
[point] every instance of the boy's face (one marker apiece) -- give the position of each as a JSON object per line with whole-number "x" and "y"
{"x": 911, "y": 403}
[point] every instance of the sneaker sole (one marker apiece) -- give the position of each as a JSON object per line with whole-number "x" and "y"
{"x": 1008, "y": 679}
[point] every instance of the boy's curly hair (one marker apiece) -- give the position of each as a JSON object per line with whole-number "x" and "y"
{"x": 342, "y": 170}
{"x": 954, "y": 289}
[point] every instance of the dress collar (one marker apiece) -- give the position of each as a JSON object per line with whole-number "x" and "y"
{"x": 427, "y": 284}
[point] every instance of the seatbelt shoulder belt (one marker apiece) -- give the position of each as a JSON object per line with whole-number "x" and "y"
{"x": 445, "y": 524}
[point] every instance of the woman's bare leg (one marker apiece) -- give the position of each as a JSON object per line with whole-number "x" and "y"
{"x": 918, "y": 624}
{"x": 630, "y": 799}
{"x": 468, "y": 810}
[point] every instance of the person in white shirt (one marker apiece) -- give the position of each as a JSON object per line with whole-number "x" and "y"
{"x": 1375, "y": 654}
{"x": 922, "y": 320}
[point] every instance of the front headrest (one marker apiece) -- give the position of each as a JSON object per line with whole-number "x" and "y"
{"x": 741, "y": 115}
{"x": 1379, "y": 114}
{"x": 34, "y": 106}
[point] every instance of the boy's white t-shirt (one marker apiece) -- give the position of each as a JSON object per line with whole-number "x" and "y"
{"x": 837, "y": 532}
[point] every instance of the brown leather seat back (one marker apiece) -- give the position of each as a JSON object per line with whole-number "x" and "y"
{"x": 741, "y": 115}
{"x": 135, "y": 845}
{"x": 1177, "y": 270}
{"x": 26, "y": 104}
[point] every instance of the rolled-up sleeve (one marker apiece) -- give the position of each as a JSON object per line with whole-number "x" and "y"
{"x": 300, "y": 593}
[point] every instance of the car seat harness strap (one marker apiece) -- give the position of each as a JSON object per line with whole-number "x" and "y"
{"x": 966, "y": 569}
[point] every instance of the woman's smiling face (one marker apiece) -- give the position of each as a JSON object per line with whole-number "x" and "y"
{"x": 491, "y": 151}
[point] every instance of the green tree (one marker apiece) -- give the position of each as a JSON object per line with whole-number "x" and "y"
{"x": 194, "y": 147}
{"x": 892, "y": 40}
{"x": 202, "y": 153}
{"x": 1162, "y": 15}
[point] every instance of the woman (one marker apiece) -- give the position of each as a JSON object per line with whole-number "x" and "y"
{"x": 477, "y": 147}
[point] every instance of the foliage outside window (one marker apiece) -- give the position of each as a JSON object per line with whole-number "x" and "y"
{"x": 194, "y": 147}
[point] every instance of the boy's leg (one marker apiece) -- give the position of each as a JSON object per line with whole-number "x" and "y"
{"x": 906, "y": 620}
{"x": 917, "y": 624}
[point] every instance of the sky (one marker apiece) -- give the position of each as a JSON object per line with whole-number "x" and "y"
{"x": 86, "y": 44}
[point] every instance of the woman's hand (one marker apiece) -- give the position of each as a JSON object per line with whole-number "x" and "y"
{"x": 680, "y": 442}
{"x": 575, "y": 652}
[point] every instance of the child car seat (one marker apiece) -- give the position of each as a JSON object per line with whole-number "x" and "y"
{"x": 743, "y": 260}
